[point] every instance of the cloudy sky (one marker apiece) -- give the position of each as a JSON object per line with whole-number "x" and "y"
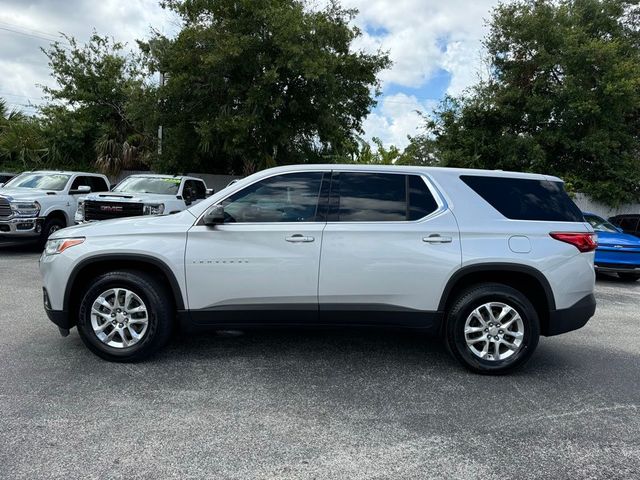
{"x": 434, "y": 44}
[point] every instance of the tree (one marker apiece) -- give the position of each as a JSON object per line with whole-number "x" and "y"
{"x": 22, "y": 142}
{"x": 102, "y": 110}
{"x": 562, "y": 97}
{"x": 377, "y": 155}
{"x": 256, "y": 83}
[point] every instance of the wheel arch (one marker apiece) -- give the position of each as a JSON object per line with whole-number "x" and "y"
{"x": 59, "y": 214}
{"x": 97, "y": 265}
{"x": 528, "y": 280}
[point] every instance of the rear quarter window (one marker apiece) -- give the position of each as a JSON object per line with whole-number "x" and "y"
{"x": 526, "y": 199}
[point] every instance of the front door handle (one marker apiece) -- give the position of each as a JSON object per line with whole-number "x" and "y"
{"x": 437, "y": 238}
{"x": 299, "y": 238}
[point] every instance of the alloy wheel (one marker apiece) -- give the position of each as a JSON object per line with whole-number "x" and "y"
{"x": 119, "y": 318}
{"x": 494, "y": 331}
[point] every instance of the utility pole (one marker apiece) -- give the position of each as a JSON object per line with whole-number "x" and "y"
{"x": 161, "y": 81}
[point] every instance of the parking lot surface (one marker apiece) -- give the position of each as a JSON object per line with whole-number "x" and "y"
{"x": 314, "y": 404}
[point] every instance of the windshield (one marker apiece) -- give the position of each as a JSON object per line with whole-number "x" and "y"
{"x": 40, "y": 181}
{"x": 600, "y": 224}
{"x": 160, "y": 186}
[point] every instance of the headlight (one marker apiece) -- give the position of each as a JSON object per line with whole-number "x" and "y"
{"x": 153, "y": 209}
{"x": 25, "y": 209}
{"x": 53, "y": 247}
{"x": 80, "y": 212}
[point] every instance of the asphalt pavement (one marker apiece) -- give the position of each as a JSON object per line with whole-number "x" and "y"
{"x": 314, "y": 404}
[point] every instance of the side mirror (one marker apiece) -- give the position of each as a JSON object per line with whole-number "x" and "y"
{"x": 210, "y": 191}
{"x": 214, "y": 216}
{"x": 1, "y": 185}
{"x": 81, "y": 189}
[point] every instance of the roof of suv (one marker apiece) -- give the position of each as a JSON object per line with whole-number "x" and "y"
{"x": 436, "y": 171}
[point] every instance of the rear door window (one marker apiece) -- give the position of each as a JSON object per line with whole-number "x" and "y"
{"x": 379, "y": 197}
{"x": 526, "y": 199}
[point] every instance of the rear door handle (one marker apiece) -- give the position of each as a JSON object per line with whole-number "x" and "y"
{"x": 437, "y": 238}
{"x": 299, "y": 238}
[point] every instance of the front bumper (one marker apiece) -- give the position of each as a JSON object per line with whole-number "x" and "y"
{"x": 572, "y": 318}
{"x": 59, "y": 317}
{"x": 18, "y": 227}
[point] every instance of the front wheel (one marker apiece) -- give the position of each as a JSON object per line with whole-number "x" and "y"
{"x": 125, "y": 316}
{"x": 492, "y": 328}
{"x": 51, "y": 225}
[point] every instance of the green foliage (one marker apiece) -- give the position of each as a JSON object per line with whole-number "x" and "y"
{"x": 562, "y": 97}
{"x": 102, "y": 110}
{"x": 257, "y": 83}
{"x": 380, "y": 155}
{"x": 21, "y": 142}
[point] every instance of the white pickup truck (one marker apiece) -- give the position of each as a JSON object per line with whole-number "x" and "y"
{"x": 33, "y": 205}
{"x": 144, "y": 194}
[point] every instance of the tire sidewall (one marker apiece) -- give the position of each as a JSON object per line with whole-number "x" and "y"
{"x": 128, "y": 281}
{"x": 45, "y": 234}
{"x": 475, "y": 298}
{"x": 46, "y": 231}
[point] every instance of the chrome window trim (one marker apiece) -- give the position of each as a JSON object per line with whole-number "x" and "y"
{"x": 438, "y": 197}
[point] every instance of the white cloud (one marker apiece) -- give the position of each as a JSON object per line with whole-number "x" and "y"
{"x": 422, "y": 37}
{"x": 397, "y": 116}
{"x": 26, "y": 26}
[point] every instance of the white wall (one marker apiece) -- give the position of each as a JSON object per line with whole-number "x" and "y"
{"x": 587, "y": 204}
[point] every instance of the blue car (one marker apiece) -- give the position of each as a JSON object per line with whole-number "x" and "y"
{"x": 617, "y": 252}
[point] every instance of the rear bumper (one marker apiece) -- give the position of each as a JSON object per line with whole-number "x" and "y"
{"x": 617, "y": 268}
{"x": 572, "y": 318}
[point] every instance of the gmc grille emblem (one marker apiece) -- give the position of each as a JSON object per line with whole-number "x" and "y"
{"x": 110, "y": 208}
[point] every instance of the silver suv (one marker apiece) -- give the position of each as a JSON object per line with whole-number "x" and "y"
{"x": 489, "y": 260}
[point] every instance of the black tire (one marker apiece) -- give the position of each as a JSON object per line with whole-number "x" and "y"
{"x": 50, "y": 226}
{"x": 628, "y": 276}
{"x": 160, "y": 310}
{"x": 466, "y": 303}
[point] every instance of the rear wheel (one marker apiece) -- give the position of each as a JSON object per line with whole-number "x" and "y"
{"x": 492, "y": 328}
{"x": 632, "y": 277}
{"x": 125, "y": 316}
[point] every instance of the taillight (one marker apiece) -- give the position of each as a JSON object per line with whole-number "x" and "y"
{"x": 585, "y": 242}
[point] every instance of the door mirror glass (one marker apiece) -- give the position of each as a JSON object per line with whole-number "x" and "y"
{"x": 214, "y": 216}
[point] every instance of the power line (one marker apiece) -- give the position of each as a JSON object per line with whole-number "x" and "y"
{"x": 7, "y": 94}
{"x": 28, "y": 34}
{"x": 49, "y": 34}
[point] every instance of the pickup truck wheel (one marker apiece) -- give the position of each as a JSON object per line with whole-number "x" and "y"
{"x": 492, "y": 328}
{"x": 51, "y": 225}
{"x": 125, "y": 316}
{"x": 631, "y": 277}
